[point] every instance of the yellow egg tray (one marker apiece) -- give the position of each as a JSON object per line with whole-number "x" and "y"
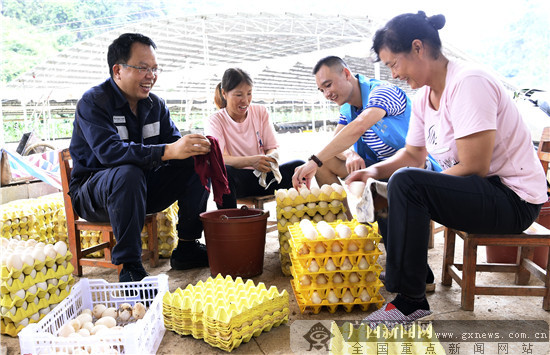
{"x": 10, "y": 328}
{"x": 306, "y": 304}
{"x": 365, "y": 277}
{"x": 288, "y": 212}
{"x": 6, "y": 273}
{"x": 287, "y": 201}
{"x": 225, "y": 313}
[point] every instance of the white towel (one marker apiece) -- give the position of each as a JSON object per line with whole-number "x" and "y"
{"x": 366, "y": 209}
{"x": 274, "y": 168}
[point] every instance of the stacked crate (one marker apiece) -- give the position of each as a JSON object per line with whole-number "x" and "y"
{"x": 225, "y": 312}
{"x": 318, "y": 204}
{"x": 34, "y": 278}
{"x": 335, "y": 268}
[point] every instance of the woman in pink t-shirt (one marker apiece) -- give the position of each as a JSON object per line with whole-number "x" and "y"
{"x": 492, "y": 180}
{"x": 247, "y": 140}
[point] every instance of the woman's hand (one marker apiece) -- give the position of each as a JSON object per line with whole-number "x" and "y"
{"x": 262, "y": 163}
{"x": 304, "y": 174}
{"x": 360, "y": 175}
{"x": 187, "y": 146}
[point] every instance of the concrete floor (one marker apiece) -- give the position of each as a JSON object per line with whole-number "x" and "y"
{"x": 516, "y": 313}
{"x": 285, "y": 339}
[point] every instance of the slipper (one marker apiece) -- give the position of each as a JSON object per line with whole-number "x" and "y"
{"x": 390, "y": 316}
{"x": 430, "y": 286}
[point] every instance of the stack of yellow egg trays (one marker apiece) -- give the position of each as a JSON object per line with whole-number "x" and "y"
{"x": 318, "y": 204}
{"x": 225, "y": 312}
{"x": 29, "y": 293}
{"x": 336, "y": 272}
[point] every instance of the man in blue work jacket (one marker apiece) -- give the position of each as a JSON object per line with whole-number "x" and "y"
{"x": 129, "y": 159}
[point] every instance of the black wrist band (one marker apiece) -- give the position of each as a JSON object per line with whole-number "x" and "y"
{"x": 316, "y": 160}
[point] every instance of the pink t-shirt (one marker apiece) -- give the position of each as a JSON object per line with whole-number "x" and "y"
{"x": 475, "y": 101}
{"x": 255, "y": 135}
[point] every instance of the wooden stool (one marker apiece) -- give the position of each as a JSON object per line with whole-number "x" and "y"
{"x": 258, "y": 202}
{"x": 75, "y": 225}
{"x": 465, "y": 274}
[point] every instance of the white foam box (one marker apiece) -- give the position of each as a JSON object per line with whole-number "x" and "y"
{"x": 140, "y": 337}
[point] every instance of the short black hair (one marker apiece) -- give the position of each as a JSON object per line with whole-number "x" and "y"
{"x": 330, "y": 62}
{"x": 399, "y": 33}
{"x": 120, "y": 50}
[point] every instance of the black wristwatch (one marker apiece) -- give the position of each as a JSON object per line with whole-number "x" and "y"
{"x": 316, "y": 160}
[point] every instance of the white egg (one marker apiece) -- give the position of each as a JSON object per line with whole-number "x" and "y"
{"x": 24, "y": 322}
{"x": 304, "y": 192}
{"x": 337, "y": 188}
{"x": 331, "y": 297}
{"x": 363, "y": 264}
{"x": 27, "y": 259}
{"x": 369, "y": 246}
{"x": 21, "y": 277}
{"x": 61, "y": 248}
{"x": 293, "y": 219}
{"x": 352, "y": 247}
{"x": 299, "y": 207}
{"x": 346, "y": 265}
{"x": 292, "y": 193}
{"x": 330, "y": 217}
{"x": 322, "y": 204}
{"x": 353, "y": 277}
{"x": 315, "y": 191}
{"x": 315, "y": 298}
{"x": 303, "y": 250}
{"x": 330, "y": 266}
{"x": 35, "y": 317}
{"x": 337, "y": 278}
{"x": 336, "y": 247}
{"x": 343, "y": 231}
{"x": 110, "y": 312}
{"x": 356, "y": 188}
{"x": 287, "y": 208}
{"x": 280, "y": 194}
{"x": 320, "y": 248}
{"x": 98, "y": 310}
{"x": 335, "y": 203}
{"x": 42, "y": 285}
{"x": 327, "y": 189}
{"x": 364, "y": 296}
{"x": 64, "y": 278}
{"x": 371, "y": 277}
{"x": 342, "y": 216}
{"x": 347, "y": 297}
{"x": 313, "y": 266}
{"x": 33, "y": 274}
{"x": 52, "y": 281}
{"x": 14, "y": 262}
{"x": 107, "y": 321}
{"x": 311, "y": 205}
{"x": 44, "y": 310}
{"x": 317, "y": 218}
{"x": 321, "y": 279}
{"x": 66, "y": 330}
{"x": 50, "y": 252}
{"x": 24, "y": 305}
{"x": 20, "y": 294}
{"x": 326, "y": 230}
{"x": 361, "y": 230}
{"x": 305, "y": 280}
{"x": 32, "y": 290}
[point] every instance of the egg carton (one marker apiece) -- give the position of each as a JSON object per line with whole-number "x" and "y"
{"x": 335, "y": 207}
{"x": 307, "y": 305}
{"x": 339, "y": 278}
{"x": 308, "y": 198}
{"x": 18, "y": 317}
{"x": 142, "y": 336}
{"x": 223, "y": 312}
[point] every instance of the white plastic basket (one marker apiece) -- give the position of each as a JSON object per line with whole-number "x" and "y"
{"x": 141, "y": 337}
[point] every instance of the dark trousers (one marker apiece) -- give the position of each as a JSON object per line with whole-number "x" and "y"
{"x": 243, "y": 183}
{"x": 124, "y": 194}
{"x": 472, "y": 204}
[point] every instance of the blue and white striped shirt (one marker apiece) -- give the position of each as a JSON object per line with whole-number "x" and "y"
{"x": 390, "y": 99}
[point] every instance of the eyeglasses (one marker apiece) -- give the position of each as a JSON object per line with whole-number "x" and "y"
{"x": 143, "y": 70}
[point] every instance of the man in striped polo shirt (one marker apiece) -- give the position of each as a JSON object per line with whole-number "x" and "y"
{"x": 374, "y": 119}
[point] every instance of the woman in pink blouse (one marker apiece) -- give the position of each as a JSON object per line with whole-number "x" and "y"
{"x": 247, "y": 140}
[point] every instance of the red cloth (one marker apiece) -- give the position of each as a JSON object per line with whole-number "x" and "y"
{"x": 211, "y": 166}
